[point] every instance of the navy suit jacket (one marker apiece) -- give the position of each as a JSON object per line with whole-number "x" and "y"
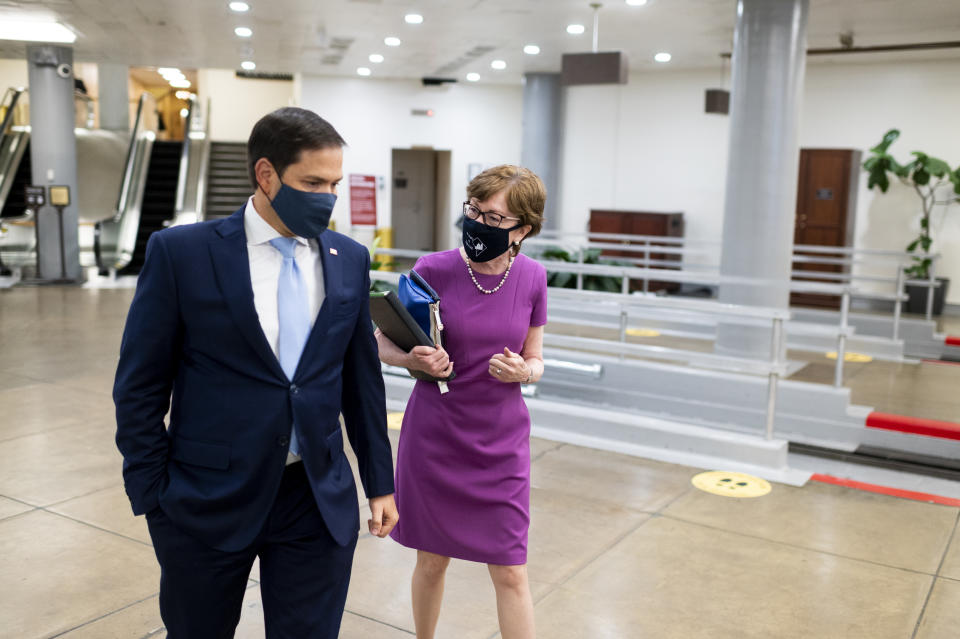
{"x": 193, "y": 334}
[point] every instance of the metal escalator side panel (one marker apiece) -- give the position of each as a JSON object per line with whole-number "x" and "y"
{"x": 115, "y": 239}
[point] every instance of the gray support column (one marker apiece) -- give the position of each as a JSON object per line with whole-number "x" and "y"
{"x": 769, "y": 60}
{"x": 53, "y": 154}
{"x": 541, "y": 144}
{"x": 114, "y": 96}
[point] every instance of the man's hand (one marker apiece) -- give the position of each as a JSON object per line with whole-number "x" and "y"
{"x": 384, "y": 516}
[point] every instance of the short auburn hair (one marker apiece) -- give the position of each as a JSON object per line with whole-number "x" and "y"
{"x": 526, "y": 194}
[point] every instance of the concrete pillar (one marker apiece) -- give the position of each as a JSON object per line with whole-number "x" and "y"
{"x": 769, "y": 60}
{"x": 541, "y": 138}
{"x": 114, "y": 99}
{"x": 53, "y": 153}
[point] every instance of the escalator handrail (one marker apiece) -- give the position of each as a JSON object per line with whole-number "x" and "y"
{"x": 139, "y": 146}
{"x": 8, "y": 116}
{"x": 128, "y": 167}
{"x": 184, "y": 159}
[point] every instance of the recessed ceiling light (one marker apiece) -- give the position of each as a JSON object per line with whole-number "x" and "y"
{"x": 363, "y": 71}
{"x": 376, "y": 58}
{"x": 239, "y": 7}
{"x": 531, "y": 49}
{"x": 184, "y": 95}
{"x": 499, "y": 65}
{"x": 575, "y": 29}
{"x": 473, "y": 77}
{"x": 662, "y": 57}
{"x": 32, "y": 31}
{"x": 391, "y": 41}
{"x": 248, "y": 65}
{"x": 184, "y": 113}
{"x": 168, "y": 71}
{"x": 180, "y": 84}
{"x": 243, "y": 32}
{"x": 413, "y": 18}
{"x": 636, "y": 3}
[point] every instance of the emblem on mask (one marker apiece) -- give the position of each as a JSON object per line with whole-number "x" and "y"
{"x": 478, "y": 246}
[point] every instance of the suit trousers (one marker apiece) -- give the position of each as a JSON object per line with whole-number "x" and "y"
{"x": 304, "y": 573}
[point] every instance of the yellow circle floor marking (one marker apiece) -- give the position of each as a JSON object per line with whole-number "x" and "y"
{"x": 394, "y": 420}
{"x": 859, "y": 358}
{"x": 731, "y": 484}
{"x": 642, "y": 332}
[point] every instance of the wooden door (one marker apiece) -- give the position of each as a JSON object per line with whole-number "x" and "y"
{"x": 826, "y": 204}
{"x": 639, "y": 223}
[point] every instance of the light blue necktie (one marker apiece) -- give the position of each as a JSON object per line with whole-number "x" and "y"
{"x": 294, "y": 315}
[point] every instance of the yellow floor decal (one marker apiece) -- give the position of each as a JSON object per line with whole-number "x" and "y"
{"x": 394, "y": 420}
{"x": 730, "y": 484}
{"x": 642, "y": 332}
{"x": 858, "y": 358}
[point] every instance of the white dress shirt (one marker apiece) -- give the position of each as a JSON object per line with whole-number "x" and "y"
{"x": 265, "y": 265}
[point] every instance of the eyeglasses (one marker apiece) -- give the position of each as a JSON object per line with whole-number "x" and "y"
{"x": 490, "y": 218}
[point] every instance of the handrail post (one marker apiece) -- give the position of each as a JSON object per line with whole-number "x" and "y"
{"x": 624, "y": 283}
{"x": 842, "y": 339}
{"x": 646, "y": 264}
{"x": 931, "y": 287}
{"x": 776, "y": 349}
{"x": 898, "y": 303}
{"x": 580, "y": 250}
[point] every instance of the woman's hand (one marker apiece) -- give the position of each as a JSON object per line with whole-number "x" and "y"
{"x": 433, "y": 361}
{"x": 508, "y": 367}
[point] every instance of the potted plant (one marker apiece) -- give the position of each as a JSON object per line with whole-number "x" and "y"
{"x": 926, "y": 175}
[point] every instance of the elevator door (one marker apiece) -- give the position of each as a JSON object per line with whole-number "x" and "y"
{"x": 414, "y": 199}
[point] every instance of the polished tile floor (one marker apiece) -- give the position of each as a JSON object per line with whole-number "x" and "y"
{"x": 620, "y": 547}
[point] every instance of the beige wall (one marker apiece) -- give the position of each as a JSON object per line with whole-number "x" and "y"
{"x": 13, "y": 73}
{"x": 237, "y": 103}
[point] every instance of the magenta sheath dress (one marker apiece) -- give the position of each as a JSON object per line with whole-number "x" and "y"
{"x": 463, "y": 463}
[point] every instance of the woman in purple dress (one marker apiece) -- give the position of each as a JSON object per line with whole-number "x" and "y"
{"x": 463, "y": 466}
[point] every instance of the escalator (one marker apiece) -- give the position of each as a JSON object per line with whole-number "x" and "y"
{"x": 159, "y": 198}
{"x": 228, "y": 180}
{"x": 15, "y": 205}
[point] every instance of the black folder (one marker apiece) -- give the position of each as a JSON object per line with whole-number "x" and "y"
{"x": 396, "y": 322}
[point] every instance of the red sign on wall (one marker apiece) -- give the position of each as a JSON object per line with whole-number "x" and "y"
{"x": 363, "y": 199}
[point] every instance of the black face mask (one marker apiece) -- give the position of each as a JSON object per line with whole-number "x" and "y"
{"x": 484, "y": 243}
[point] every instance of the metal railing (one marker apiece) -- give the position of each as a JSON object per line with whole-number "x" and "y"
{"x": 773, "y": 367}
{"x": 686, "y": 248}
{"x": 840, "y": 334}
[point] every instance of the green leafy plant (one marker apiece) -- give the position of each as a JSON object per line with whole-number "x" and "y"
{"x": 607, "y": 283}
{"x": 925, "y": 174}
{"x": 378, "y": 286}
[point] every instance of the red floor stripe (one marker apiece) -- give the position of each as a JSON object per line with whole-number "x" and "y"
{"x": 885, "y": 490}
{"x": 914, "y": 425}
{"x": 941, "y": 361}
{"x": 952, "y": 341}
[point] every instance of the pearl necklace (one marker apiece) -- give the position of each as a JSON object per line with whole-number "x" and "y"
{"x": 483, "y": 290}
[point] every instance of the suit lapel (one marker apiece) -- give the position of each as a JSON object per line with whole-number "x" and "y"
{"x": 232, "y": 266}
{"x": 332, "y": 263}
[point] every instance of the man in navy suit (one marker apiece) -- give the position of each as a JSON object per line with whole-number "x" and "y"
{"x": 258, "y": 328}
